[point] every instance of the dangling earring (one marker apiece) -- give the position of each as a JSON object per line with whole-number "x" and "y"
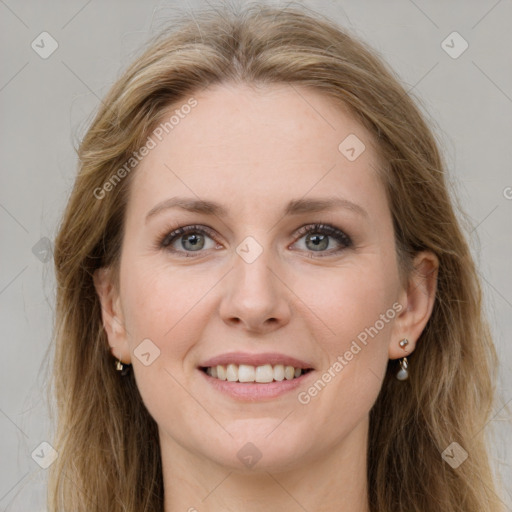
{"x": 403, "y": 373}
{"x": 122, "y": 367}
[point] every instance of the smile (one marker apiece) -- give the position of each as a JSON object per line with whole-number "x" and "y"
{"x": 262, "y": 374}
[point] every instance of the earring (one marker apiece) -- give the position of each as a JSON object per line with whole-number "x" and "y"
{"x": 403, "y": 373}
{"x": 122, "y": 367}
{"x": 404, "y": 342}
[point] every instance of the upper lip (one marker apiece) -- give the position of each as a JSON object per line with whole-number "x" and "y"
{"x": 272, "y": 358}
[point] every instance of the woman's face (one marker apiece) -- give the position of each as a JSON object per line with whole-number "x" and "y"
{"x": 249, "y": 280}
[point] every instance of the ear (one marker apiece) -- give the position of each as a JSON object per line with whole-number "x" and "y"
{"x": 417, "y": 300}
{"x": 112, "y": 315}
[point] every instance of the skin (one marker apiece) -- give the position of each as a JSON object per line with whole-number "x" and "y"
{"x": 253, "y": 151}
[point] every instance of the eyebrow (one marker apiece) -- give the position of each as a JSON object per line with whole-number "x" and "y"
{"x": 294, "y": 207}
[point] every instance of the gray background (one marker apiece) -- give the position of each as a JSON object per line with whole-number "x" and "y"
{"x": 46, "y": 105}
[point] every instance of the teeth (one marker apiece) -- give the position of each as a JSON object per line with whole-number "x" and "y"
{"x": 264, "y": 373}
{"x": 289, "y": 372}
{"x": 248, "y": 373}
{"x": 279, "y": 372}
{"x": 221, "y": 372}
{"x": 232, "y": 373}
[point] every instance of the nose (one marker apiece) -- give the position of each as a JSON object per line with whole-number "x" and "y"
{"x": 256, "y": 297}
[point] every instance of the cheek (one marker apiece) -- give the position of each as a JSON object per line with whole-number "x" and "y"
{"x": 161, "y": 305}
{"x": 358, "y": 311}
{"x": 352, "y": 302}
{"x": 164, "y": 304}
{"x": 148, "y": 306}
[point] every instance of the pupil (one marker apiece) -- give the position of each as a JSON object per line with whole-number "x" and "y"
{"x": 194, "y": 240}
{"x": 319, "y": 241}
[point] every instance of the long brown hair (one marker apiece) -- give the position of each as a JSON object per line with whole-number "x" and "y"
{"x": 109, "y": 458}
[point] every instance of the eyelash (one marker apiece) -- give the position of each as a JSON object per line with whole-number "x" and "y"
{"x": 167, "y": 239}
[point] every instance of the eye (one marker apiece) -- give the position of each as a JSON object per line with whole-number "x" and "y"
{"x": 317, "y": 239}
{"x": 194, "y": 238}
{"x": 187, "y": 239}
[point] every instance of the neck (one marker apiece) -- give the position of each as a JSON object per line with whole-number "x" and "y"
{"x": 333, "y": 481}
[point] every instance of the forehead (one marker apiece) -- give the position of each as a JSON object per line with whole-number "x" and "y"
{"x": 245, "y": 144}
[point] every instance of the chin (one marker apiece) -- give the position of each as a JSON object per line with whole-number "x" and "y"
{"x": 250, "y": 452}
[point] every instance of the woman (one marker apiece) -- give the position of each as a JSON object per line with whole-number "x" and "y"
{"x": 265, "y": 300}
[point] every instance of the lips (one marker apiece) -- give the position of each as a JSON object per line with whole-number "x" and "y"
{"x": 272, "y": 358}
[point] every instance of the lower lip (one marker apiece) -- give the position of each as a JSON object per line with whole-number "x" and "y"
{"x": 254, "y": 391}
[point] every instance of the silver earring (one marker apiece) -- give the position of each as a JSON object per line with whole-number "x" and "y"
{"x": 403, "y": 373}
